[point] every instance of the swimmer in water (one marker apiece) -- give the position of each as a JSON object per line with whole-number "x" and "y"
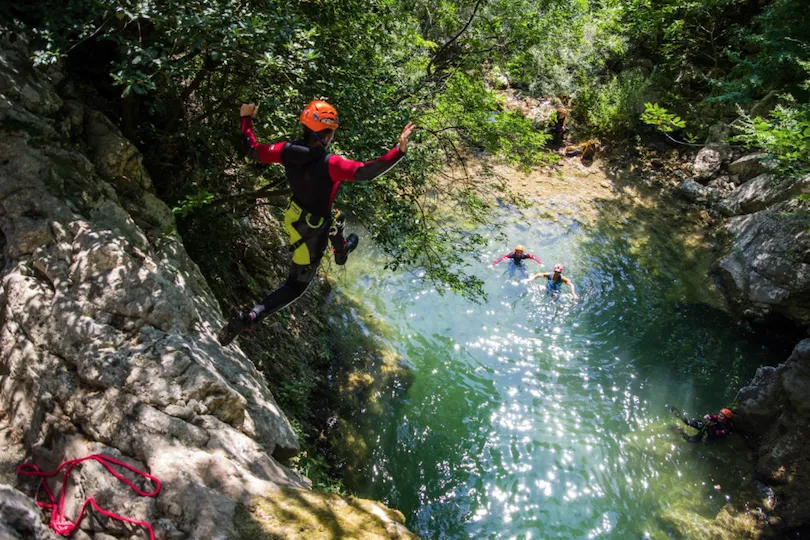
{"x": 554, "y": 281}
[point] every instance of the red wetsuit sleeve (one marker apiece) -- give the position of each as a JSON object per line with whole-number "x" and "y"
{"x": 342, "y": 169}
{"x": 501, "y": 259}
{"x": 535, "y": 259}
{"x": 266, "y": 153}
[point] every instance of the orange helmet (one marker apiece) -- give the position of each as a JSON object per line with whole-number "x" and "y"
{"x": 319, "y": 115}
{"x": 727, "y": 413}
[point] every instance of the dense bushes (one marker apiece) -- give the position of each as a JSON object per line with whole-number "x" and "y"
{"x": 614, "y": 107}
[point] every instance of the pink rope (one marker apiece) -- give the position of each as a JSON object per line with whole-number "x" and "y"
{"x": 62, "y": 525}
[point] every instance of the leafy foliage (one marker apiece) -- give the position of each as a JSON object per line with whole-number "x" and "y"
{"x": 192, "y": 202}
{"x": 614, "y": 108}
{"x": 176, "y": 73}
{"x": 784, "y": 134}
{"x": 663, "y": 120}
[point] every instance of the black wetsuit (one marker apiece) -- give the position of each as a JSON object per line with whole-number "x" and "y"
{"x": 314, "y": 176}
{"x": 707, "y": 431}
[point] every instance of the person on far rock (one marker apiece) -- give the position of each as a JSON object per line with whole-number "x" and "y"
{"x": 559, "y": 128}
{"x": 711, "y": 427}
{"x": 586, "y": 151}
{"x": 314, "y": 176}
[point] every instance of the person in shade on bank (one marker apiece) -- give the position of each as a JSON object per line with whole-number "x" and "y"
{"x": 555, "y": 280}
{"x": 710, "y": 428}
{"x": 314, "y": 176}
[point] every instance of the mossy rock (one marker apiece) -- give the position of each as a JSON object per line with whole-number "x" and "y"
{"x": 302, "y": 514}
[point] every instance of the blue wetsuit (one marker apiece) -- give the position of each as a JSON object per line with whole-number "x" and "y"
{"x": 553, "y": 286}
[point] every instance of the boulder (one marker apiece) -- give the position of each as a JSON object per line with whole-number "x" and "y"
{"x": 718, "y": 133}
{"x": 759, "y": 404}
{"x": 762, "y": 192}
{"x": 20, "y": 517}
{"x": 720, "y": 188}
{"x": 774, "y": 411}
{"x": 747, "y": 167}
{"x": 709, "y": 161}
{"x": 693, "y": 192}
{"x": 763, "y": 267}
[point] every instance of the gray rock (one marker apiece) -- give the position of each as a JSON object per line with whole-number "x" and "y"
{"x": 693, "y": 192}
{"x": 774, "y": 411}
{"x": 20, "y": 517}
{"x": 763, "y": 268}
{"x": 796, "y": 379}
{"x": 719, "y": 188}
{"x": 758, "y": 404}
{"x": 718, "y": 133}
{"x": 709, "y": 161}
{"x": 749, "y": 166}
{"x": 108, "y": 331}
{"x": 762, "y": 192}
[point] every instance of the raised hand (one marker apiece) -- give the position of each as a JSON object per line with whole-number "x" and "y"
{"x": 248, "y": 109}
{"x": 403, "y": 138}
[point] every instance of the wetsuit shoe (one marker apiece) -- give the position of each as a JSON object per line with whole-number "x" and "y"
{"x": 350, "y": 245}
{"x": 238, "y": 324}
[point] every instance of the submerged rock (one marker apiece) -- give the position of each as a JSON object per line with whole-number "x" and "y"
{"x": 317, "y": 516}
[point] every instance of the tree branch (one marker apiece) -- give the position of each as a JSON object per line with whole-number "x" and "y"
{"x": 454, "y": 38}
{"x": 264, "y": 193}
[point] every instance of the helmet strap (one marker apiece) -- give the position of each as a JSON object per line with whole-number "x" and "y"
{"x": 320, "y": 140}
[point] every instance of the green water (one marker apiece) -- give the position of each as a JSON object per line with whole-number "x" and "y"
{"x": 535, "y": 417}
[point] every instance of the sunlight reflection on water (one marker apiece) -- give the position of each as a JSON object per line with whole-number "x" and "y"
{"x": 534, "y": 416}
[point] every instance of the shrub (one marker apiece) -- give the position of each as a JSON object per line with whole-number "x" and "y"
{"x": 614, "y": 108}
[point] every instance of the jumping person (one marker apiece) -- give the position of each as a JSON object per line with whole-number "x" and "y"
{"x": 517, "y": 257}
{"x": 554, "y": 281}
{"x": 712, "y": 427}
{"x": 314, "y": 176}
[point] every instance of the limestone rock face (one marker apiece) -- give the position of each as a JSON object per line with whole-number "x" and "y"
{"x": 747, "y": 167}
{"x": 761, "y": 192}
{"x": 765, "y": 269}
{"x": 108, "y": 329}
{"x": 20, "y": 517}
{"x": 775, "y": 409}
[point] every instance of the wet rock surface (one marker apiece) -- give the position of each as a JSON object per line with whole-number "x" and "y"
{"x": 775, "y": 410}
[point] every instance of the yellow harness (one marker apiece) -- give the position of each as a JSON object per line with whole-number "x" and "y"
{"x": 294, "y": 217}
